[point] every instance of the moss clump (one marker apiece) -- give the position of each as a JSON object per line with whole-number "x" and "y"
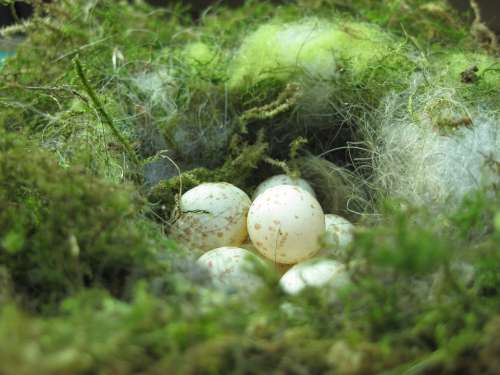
{"x": 425, "y": 22}
{"x": 346, "y": 54}
{"x": 475, "y": 76}
{"x": 202, "y": 56}
{"x": 311, "y": 47}
{"x": 62, "y": 230}
{"x": 391, "y": 318}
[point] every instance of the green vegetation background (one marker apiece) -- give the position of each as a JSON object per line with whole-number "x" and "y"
{"x": 89, "y": 284}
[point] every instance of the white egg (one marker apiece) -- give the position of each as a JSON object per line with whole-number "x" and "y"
{"x": 338, "y": 236}
{"x": 283, "y": 179}
{"x": 315, "y": 273}
{"x": 230, "y": 268}
{"x": 212, "y": 215}
{"x": 285, "y": 224}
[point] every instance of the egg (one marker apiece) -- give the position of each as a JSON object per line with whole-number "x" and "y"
{"x": 338, "y": 236}
{"x": 230, "y": 268}
{"x": 316, "y": 273}
{"x": 285, "y": 224}
{"x": 212, "y": 215}
{"x": 283, "y": 179}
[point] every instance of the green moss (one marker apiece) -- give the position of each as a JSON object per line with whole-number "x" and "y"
{"x": 426, "y": 22}
{"x": 384, "y": 313}
{"x": 341, "y": 71}
{"x": 89, "y": 283}
{"x": 312, "y": 47}
{"x": 41, "y": 99}
{"x": 238, "y": 168}
{"x": 200, "y": 53}
{"x": 62, "y": 230}
{"x": 475, "y": 76}
{"x": 454, "y": 86}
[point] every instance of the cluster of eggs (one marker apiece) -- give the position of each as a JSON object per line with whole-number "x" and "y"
{"x": 285, "y": 226}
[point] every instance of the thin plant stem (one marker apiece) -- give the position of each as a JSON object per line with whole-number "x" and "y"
{"x": 107, "y": 118}
{"x": 13, "y": 11}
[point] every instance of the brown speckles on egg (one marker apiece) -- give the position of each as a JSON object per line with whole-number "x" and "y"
{"x": 228, "y": 269}
{"x": 293, "y": 221}
{"x": 208, "y": 220}
{"x": 282, "y": 240}
{"x": 257, "y": 226}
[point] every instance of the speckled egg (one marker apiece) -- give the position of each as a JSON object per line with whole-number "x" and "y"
{"x": 338, "y": 236}
{"x": 230, "y": 268}
{"x": 212, "y": 215}
{"x": 317, "y": 272}
{"x": 285, "y": 224}
{"x": 283, "y": 179}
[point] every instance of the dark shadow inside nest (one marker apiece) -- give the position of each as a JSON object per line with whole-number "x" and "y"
{"x": 334, "y": 160}
{"x": 322, "y": 145}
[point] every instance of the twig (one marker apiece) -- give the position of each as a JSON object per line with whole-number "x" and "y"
{"x": 104, "y": 114}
